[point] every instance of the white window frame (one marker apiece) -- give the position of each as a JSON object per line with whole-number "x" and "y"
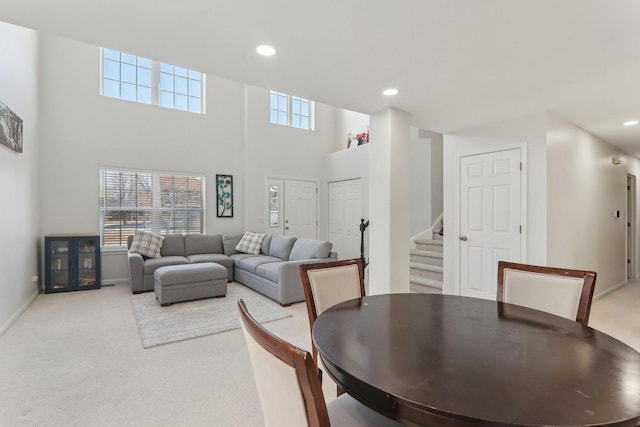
{"x": 289, "y": 111}
{"x": 155, "y": 84}
{"x": 154, "y": 211}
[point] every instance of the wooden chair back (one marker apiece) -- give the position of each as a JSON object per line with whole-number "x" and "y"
{"x": 329, "y": 283}
{"x": 286, "y": 378}
{"x": 560, "y": 291}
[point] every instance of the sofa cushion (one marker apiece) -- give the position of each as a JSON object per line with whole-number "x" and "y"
{"x": 250, "y": 243}
{"x": 266, "y": 244}
{"x": 151, "y": 265}
{"x": 230, "y": 243}
{"x": 203, "y": 244}
{"x": 146, "y": 243}
{"x": 269, "y": 270}
{"x": 173, "y": 245}
{"x": 310, "y": 249}
{"x": 251, "y": 263}
{"x": 281, "y": 246}
{"x": 217, "y": 258}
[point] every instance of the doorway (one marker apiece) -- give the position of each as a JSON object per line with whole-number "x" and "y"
{"x": 631, "y": 227}
{"x": 345, "y": 212}
{"x": 292, "y": 207}
{"x": 491, "y": 210}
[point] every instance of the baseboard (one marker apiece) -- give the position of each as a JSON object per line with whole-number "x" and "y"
{"x": 611, "y": 289}
{"x": 111, "y": 282}
{"x": 17, "y": 314}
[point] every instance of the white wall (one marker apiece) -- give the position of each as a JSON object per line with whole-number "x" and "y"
{"x": 420, "y": 186}
{"x": 585, "y": 189}
{"x": 285, "y": 152}
{"x": 19, "y": 183}
{"x": 530, "y": 130}
{"x": 83, "y": 131}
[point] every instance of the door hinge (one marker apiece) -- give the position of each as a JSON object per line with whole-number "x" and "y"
{"x": 628, "y": 261}
{"x": 520, "y": 165}
{"x": 520, "y": 229}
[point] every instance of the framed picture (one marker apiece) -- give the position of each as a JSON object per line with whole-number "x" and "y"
{"x": 224, "y": 195}
{"x": 10, "y": 128}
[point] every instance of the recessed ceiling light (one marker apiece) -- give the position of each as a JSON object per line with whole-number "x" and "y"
{"x": 266, "y": 50}
{"x": 390, "y": 92}
{"x": 630, "y": 123}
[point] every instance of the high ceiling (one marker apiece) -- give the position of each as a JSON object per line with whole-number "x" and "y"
{"x": 456, "y": 63}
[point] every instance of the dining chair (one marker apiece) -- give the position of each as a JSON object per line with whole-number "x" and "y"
{"x": 329, "y": 283}
{"x": 559, "y": 291}
{"x": 289, "y": 388}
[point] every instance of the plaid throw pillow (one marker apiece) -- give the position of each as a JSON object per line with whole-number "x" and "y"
{"x": 250, "y": 243}
{"x": 146, "y": 244}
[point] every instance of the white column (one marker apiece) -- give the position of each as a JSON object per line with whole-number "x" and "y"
{"x": 389, "y": 167}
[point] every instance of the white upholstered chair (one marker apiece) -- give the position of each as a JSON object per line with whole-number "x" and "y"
{"x": 559, "y": 291}
{"x": 289, "y": 388}
{"x": 329, "y": 283}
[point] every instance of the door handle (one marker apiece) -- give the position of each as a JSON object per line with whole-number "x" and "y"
{"x": 463, "y": 238}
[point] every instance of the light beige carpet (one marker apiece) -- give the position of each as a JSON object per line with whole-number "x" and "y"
{"x": 181, "y": 321}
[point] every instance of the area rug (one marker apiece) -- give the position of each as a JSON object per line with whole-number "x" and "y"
{"x": 181, "y": 321}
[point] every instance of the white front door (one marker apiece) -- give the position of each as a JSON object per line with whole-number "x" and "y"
{"x": 345, "y": 213}
{"x": 490, "y": 219}
{"x": 301, "y": 208}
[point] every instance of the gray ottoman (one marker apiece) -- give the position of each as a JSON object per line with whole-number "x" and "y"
{"x": 178, "y": 283}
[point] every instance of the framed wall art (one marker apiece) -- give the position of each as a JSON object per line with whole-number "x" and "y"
{"x": 10, "y": 128}
{"x": 224, "y": 196}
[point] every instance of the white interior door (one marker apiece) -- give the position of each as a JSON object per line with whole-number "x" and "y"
{"x": 345, "y": 212}
{"x": 301, "y": 208}
{"x": 490, "y": 219}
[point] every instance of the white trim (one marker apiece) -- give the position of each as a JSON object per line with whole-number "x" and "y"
{"x": 8, "y": 323}
{"x": 456, "y": 203}
{"x": 282, "y": 179}
{"x": 428, "y": 233}
{"x": 611, "y": 289}
{"x": 112, "y": 282}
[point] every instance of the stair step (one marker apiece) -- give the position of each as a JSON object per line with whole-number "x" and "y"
{"x": 426, "y": 257}
{"x": 428, "y": 271}
{"x": 425, "y": 285}
{"x": 429, "y": 245}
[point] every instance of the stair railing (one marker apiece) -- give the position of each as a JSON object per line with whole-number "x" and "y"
{"x": 363, "y": 227}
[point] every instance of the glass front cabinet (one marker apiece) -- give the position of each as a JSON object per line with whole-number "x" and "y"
{"x": 72, "y": 263}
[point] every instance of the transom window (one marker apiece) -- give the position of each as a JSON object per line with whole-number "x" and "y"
{"x": 151, "y": 201}
{"x": 139, "y": 79}
{"x": 287, "y": 110}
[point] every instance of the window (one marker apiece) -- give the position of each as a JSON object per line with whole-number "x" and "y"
{"x": 126, "y": 76}
{"x": 139, "y": 79}
{"x": 152, "y": 201}
{"x": 287, "y": 110}
{"x": 180, "y": 88}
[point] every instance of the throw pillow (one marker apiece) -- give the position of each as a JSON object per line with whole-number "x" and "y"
{"x": 250, "y": 243}
{"x": 146, "y": 244}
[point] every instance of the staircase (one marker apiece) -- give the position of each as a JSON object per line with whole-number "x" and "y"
{"x": 426, "y": 265}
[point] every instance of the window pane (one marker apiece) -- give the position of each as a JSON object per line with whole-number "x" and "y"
{"x": 166, "y": 99}
{"x": 144, "y": 94}
{"x": 194, "y": 104}
{"x": 128, "y": 58}
{"x": 304, "y": 107}
{"x": 144, "y": 62}
{"x": 195, "y": 75}
{"x": 166, "y": 82}
{"x": 282, "y": 118}
{"x": 282, "y": 103}
{"x": 128, "y": 92}
{"x": 273, "y": 100}
{"x": 181, "y": 85}
{"x": 111, "y": 54}
{"x": 166, "y": 68}
{"x": 181, "y": 102}
{"x": 295, "y": 106}
{"x": 111, "y": 69}
{"x": 128, "y": 73}
{"x": 180, "y": 71}
{"x": 304, "y": 123}
{"x": 111, "y": 88}
{"x": 273, "y": 116}
{"x": 144, "y": 77}
{"x": 194, "y": 88}
{"x": 295, "y": 121}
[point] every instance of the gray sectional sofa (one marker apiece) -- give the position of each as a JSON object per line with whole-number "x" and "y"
{"x": 274, "y": 272}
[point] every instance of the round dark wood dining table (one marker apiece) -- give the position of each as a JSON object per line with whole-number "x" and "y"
{"x": 428, "y": 359}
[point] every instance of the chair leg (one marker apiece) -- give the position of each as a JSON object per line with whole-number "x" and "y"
{"x": 320, "y": 375}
